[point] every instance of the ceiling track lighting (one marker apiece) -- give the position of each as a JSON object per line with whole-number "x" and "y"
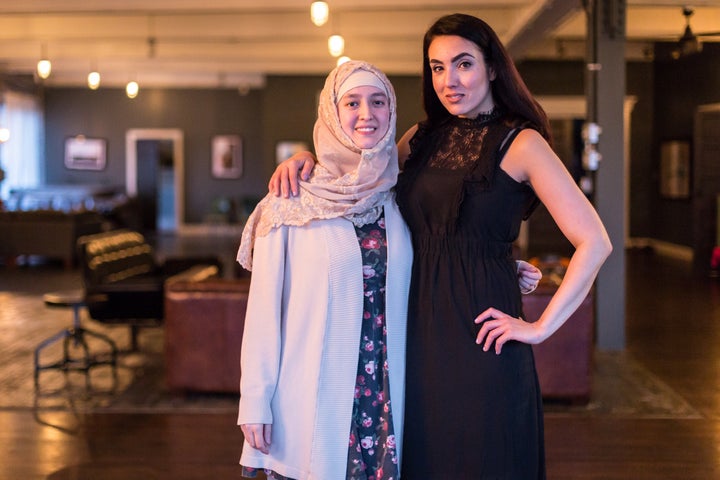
{"x": 319, "y": 13}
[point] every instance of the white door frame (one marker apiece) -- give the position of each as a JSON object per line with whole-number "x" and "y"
{"x": 176, "y": 136}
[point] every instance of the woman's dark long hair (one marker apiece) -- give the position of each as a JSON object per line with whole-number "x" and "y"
{"x": 508, "y": 89}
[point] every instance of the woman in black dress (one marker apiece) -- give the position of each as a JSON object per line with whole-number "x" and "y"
{"x": 477, "y": 166}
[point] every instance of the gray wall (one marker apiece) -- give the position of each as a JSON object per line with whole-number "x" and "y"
{"x": 200, "y": 114}
{"x": 667, "y": 94}
{"x": 680, "y": 87}
{"x": 284, "y": 110}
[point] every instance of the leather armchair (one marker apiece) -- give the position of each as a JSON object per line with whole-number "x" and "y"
{"x": 123, "y": 282}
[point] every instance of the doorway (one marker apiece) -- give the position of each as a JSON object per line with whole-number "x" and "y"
{"x": 154, "y": 176}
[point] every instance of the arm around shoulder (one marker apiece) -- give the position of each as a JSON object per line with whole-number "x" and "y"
{"x": 284, "y": 180}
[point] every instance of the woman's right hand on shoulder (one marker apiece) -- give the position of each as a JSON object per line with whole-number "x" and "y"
{"x": 258, "y": 435}
{"x": 284, "y": 180}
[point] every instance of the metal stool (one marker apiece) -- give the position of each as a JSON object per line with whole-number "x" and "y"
{"x": 77, "y": 334}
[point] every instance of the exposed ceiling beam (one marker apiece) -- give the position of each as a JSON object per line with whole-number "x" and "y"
{"x": 536, "y": 24}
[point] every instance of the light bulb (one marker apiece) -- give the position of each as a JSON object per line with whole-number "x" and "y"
{"x": 342, "y": 60}
{"x": 93, "y": 80}
{"x": 43, "y": 68}
{"x": 319, "y": 13}
{"x": 132, "y": 89}
{"x": 4, "y": 134}
{"x": 336, "y": 45}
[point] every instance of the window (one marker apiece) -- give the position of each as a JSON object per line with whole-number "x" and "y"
{"x": 21, "y": 157}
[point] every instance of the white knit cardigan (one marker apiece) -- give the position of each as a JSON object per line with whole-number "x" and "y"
{"x": 301, "y": 342}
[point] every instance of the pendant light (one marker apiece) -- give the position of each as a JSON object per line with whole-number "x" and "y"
{"x": 44, "y": 67}
{"x": 93, "y": 80}
{"x": 319, "y": 13}
{"x": 336, "y": 45}
{"x": 132, "y": 89}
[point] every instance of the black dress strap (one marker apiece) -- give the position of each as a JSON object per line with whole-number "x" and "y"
{"x": 504, "y": 147}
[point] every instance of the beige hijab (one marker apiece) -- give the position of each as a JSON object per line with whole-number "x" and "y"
{"x": 328, "y": 193}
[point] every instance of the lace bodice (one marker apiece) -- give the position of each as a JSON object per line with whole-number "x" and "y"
{"x": 463, "y": 142}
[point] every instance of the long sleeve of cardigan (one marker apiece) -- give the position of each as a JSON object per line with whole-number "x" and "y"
{"x": 261, "y": 346}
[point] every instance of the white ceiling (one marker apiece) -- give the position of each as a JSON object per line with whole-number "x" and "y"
{"x": 237, "y": 42}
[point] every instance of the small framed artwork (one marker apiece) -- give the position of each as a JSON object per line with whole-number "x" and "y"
{"x": 675, "y": 169}
{"x": 227, "y": 161}
{"x": 83, "y": 153}
{"x": 285, "y": 150}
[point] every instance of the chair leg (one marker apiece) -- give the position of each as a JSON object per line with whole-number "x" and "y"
{"x": 83, "y": 364}
{"x": 63, "y": 334}
{"x": 95, "y": 360}
{"x": 109, "y": 342}
{"x": 134, "y": 342}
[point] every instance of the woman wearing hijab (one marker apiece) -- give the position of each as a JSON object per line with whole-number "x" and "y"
{"x": 323, "y": 354}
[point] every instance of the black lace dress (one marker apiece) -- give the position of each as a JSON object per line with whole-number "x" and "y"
{"x": 469, "y": 414}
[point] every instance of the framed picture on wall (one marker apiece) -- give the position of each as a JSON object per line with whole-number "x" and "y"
{"x": 675, "y": 169}
{"x": 286, "y": 149}
{"x": 227, "y": 160}
{"x": 83, "y": 153}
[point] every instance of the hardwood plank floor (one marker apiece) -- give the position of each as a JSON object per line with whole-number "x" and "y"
{"x": 119, "y": 446}
{"x": 605, "y": 448}
{"x": 673, "y": 330}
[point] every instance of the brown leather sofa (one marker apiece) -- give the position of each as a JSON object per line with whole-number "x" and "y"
{"x": 204, "y": 323}
{"x": 564, "y": 361}
{"x": 47, "y": 233}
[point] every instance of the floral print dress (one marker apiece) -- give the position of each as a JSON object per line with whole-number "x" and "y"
{"x": 372, "y": 453}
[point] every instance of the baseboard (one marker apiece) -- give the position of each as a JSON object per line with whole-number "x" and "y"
{"x": 661, "y": 247}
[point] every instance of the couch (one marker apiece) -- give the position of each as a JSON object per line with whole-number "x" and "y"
{"x": 47, "y": 221}
{"x": 564, "y": 361}
{"x": 47, "y": 233}
{"x": 204, "y": 325}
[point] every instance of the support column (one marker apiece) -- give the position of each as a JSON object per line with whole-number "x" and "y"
{"x": 605, "y": 92}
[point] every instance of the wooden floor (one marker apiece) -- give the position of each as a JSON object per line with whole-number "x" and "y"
{"x": 673, "y": 330}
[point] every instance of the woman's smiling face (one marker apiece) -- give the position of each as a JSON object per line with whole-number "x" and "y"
{"x": 364, "y": 114}
{"x": 460, "y": 77}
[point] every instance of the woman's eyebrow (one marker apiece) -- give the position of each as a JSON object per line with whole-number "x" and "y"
{"x": 455, "y": 58}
